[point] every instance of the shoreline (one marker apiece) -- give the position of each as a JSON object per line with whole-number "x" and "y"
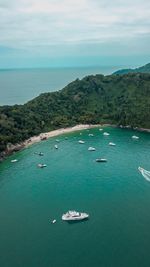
{"x": 44, "y": 136}
{"x": 53, "y": 133}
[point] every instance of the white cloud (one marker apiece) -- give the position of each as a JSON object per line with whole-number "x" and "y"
{"x": 42, "y": 23}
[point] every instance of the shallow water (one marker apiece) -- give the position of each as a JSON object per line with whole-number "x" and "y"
{"x": 115, "y": 194}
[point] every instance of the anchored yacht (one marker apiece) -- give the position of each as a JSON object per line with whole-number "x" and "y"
{"x": 81, "y": 142}
{"x": 135, "y": 137}
{"x": 40, "y": 165}
{"x": 91, "y": 148}
{"x": 14, "y": 160}
{"x": 74, "y": 216}
{"x": 112, "y": 144}
{"x": 106, "y": 134}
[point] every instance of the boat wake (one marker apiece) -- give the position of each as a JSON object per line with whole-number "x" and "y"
{"x": 145, "y": 173}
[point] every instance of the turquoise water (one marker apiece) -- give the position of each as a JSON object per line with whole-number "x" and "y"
{"x": 115, "y": 194}
{"x": 20, "y": 86}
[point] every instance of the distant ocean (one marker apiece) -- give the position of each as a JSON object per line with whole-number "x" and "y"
{"x": 21, "y": 85}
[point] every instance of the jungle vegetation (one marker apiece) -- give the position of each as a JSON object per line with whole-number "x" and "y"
{"x": 114, "y": 99}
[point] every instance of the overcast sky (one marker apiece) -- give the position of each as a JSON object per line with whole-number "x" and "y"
{"x": 38, "y": 33}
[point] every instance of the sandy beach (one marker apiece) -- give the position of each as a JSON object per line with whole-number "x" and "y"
{"x": 44, "y": 136}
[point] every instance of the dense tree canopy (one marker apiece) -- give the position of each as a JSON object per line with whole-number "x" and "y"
{"x": 115, "y": 99}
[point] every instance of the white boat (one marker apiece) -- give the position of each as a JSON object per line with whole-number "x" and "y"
{"x": 135, "y": 137}
{"x": 42, "y": 165}
{"x": 56, "y": 146}
{"x": 74, "y": 216}
{"x": 57, "y": 140}
{"x": 91, "y": 148}
{"x": 81, "y": 142}
{"x": 106, "y": 134}
{"x": 101, "y": 160}
{"x": 14, "y": 160}
{"x": 100, "y": 129}
{"x": 91, "y": 134}
{"x": 112, "y": 144}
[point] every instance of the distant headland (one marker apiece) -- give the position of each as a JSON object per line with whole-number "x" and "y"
{"x": 143, "y": 69}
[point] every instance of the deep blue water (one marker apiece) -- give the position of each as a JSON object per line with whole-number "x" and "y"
{"x": 20, "y": 86}
{"x": 115, "y": 195}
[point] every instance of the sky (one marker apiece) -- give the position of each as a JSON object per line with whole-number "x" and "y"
{"x": 68, "y": 33}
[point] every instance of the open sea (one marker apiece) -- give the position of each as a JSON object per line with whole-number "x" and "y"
{"x": 115, "y": 194}
{"x": 21, "y": 85}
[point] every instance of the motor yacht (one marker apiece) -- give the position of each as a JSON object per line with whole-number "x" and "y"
{"x": 74, "y": 216}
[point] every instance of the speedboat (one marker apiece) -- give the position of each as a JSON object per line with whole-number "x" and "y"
{"x": 100, "y": 129}
{"x": 81, "y": 142}
{"x": 91, "y": 134}
{"x": 56, "y": 146}
{"x": 42, "y": 165}
{"x": 135, "y": 137}
{"x": 101, "y": 160}
{"x": 106, "y": 134}
{"x": 74, "y": 216}
{"x": 112, "y": 144}
{"x": 91, "y": 148}
{"x": 57, "y": 140}
{"x": 14, "y": 160}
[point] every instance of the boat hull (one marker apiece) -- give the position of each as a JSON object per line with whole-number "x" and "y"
{"x": 80, "y": 218}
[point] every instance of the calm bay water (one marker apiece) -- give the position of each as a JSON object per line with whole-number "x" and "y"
{"x": 20, "y": 86}
{"x": 115, "y": 195}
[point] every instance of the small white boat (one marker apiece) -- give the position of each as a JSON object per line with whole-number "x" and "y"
{"x": 91, "y": 148}
{"x": 53, "y": 221}
{"x": 135, "y": 137}
{"x": 106, "y": 134}
{"x": 112, "y": 144}
{"x": 41, "y": 165}
{"x": 101, "y": 160}
{"x": 56, "y": 146}
{"x": 100, "y": 129}
{"x": 81, "y": 142}
{"x": 80, "y": 133}
{"x": 57, "y": 140}
{"x": 14, "y": 160}
{"x": 74, "y": 216}
{"x": 91, "y": 134}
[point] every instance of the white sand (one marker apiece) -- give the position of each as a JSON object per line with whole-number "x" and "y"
{"x": 47, "y": 135}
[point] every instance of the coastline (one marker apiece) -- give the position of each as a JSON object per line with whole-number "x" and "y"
{"x": 44, "y": 136}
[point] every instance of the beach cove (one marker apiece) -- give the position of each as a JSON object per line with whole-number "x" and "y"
{"x": 114, "y": 194}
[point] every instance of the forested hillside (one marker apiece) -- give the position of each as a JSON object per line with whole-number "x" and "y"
{"x": 115, "y": 99}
